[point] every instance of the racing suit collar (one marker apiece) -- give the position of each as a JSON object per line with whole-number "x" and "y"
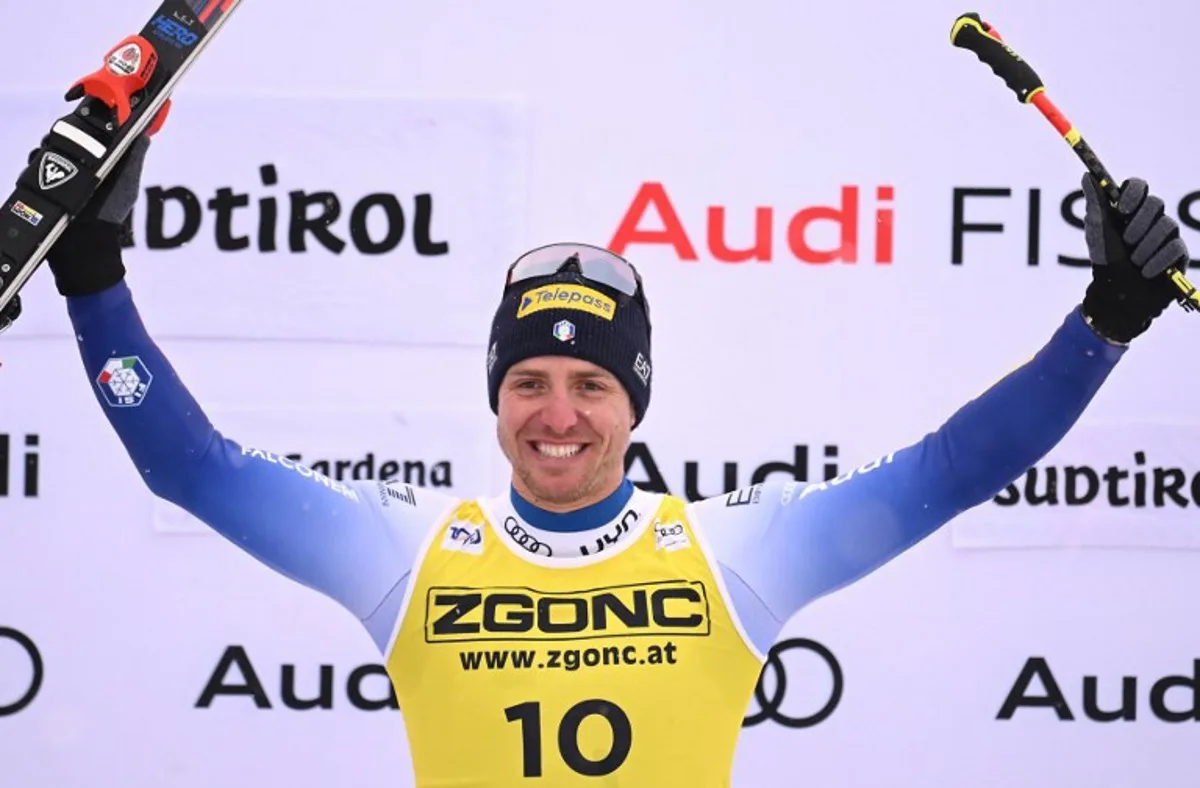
{"x": 588, "y": 517}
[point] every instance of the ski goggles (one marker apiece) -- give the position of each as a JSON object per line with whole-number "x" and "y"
{"x": 591, "y": 262}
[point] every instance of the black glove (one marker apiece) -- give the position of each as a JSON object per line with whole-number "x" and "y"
{"x": 86, "y": 258}
{"x": 10, "y": 313}
{"x": 1131, "y": 249}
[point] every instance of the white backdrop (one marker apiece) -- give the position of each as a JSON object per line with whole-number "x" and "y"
{"x": 536, "y": 121}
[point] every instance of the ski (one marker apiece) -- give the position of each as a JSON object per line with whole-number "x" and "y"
{"x": 128, "y": 95}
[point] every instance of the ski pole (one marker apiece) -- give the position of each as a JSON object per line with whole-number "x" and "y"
{"x": 975, "y": 35}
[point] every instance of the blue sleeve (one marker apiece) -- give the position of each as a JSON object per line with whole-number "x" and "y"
{"x": 791, "y": 545}
{"x": 329, "y": 536}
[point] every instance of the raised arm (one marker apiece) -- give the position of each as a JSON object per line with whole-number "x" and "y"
{"x": 353, "y": 543}
{"x": 799, "y": 543}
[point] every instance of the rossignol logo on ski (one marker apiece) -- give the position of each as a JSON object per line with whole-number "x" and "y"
{"x": 124, "y": 382}
{"x": 55, "y": 170}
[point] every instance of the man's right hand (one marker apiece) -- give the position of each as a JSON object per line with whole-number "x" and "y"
{"x": 86, "y": 258}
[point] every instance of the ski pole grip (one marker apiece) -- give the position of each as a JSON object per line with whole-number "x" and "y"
{"x": 973, "y": 34}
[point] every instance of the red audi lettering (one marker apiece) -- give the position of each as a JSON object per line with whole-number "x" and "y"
{"x": 652, "y": 219}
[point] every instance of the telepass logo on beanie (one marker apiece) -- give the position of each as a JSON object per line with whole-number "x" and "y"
{"x": 568, "y": 314}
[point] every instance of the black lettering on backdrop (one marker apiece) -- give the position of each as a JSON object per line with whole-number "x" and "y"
{"x": 651, "y": 477}
{"x": 223, "y": 205}
{"x": 422, "y": 223}
{"x": 156, "y": 201}
{"x": 1071, "y": 210}
{"x": 217, "y": 685}
{"x": 1189, "y": 221}
{"x": 1158, "y": 696}
{"x": 354, "y": 689}
{"x": 1052, "y": 697}
{"x": 395, "y": 223}
{"x": 422, "y": 241}
{"x": 415, "y": 472}
{"x": 311, "y": 214}
{"x": 292, "y": 700}
{"x": 302, "y": 223}
{"x": 1033, "y": 242}
{"x": 1074, "y": 200}
{"x": 959, "y": 227}
{"x": 25, "y": 480}
{"x": 268, "y": 210}
{"x": 1185, "y": 212}
{"x": 1035, "y": 667}
{"x": 770, "y": 703}
{"x": 221, "y": 683}
{"x": 20, "y": 701}
{"x": 1114, "y": 486}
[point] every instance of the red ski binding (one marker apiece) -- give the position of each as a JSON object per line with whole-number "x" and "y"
{"x": 127, "y": 69}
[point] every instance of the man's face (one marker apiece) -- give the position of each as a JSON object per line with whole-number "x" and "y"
{"x": 564, "y": 425}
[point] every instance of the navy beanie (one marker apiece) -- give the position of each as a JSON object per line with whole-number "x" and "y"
{"x": 568, "y": 315}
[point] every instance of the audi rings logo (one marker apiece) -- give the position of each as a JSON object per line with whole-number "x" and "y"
{"x": 16, "y": 695}
{"x": 526, "y": 539}
{"x": 773, "y": 686}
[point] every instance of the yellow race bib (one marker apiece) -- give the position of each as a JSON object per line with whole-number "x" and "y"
{"x": 625, "y": 668}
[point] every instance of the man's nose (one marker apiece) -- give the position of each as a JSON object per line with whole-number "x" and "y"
{"x": 559, "y": 413}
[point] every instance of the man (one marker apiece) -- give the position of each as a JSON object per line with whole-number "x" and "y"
{"x": 578, "y": 630}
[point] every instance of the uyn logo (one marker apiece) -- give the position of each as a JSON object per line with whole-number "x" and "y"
{"x": 18, "y": 474}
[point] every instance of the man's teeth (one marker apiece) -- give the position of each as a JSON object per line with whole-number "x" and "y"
{"x": 559, "y": 450}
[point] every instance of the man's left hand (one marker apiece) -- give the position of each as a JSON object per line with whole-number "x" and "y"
{"x": 1132, "y": 249}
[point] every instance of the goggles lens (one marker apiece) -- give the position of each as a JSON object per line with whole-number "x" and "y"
{"x": 595, "y": 263}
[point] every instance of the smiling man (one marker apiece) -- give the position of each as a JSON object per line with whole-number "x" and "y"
{"x": 554, "y": 472}
{"x": 578, "y": 630}
{"x": 569, "y": 373}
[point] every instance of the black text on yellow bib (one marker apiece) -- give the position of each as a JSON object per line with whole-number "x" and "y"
{"x": 627, "y": 670}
